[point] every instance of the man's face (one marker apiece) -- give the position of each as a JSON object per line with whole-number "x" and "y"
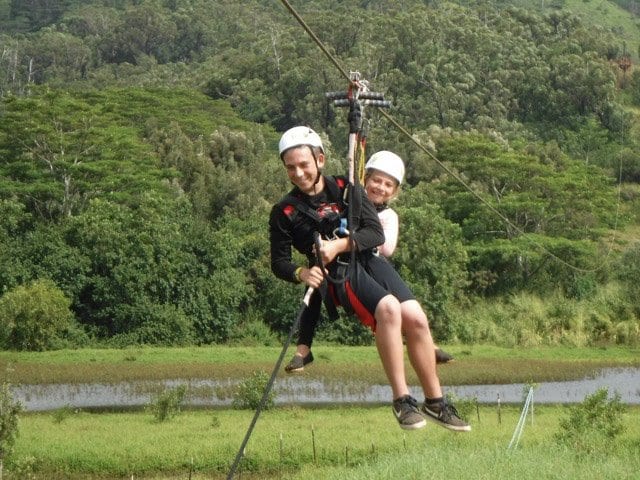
{"x": 301, "y": 168}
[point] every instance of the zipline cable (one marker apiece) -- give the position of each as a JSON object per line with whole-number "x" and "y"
{"x": 457, "y": 177}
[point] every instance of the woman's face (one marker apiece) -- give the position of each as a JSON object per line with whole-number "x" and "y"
{"x": 380, "y": 187}
{"x": 302, "y": 169}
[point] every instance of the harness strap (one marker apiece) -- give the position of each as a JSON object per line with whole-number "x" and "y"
{"x": 333, "y": 289}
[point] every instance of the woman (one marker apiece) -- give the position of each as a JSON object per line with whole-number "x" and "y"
{"x": 384, "y": 173}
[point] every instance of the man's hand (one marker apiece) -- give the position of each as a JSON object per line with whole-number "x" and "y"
{"x": 312, "y": 277}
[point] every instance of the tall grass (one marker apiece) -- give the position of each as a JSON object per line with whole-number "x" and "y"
{"x": 527, "y": 320}
{"x": 301, "y": 443}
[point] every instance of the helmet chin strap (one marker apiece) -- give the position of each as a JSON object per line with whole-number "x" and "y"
{"x": 315, "y": 159}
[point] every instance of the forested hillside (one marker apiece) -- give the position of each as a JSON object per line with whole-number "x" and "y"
{"x": 138, "y": 164}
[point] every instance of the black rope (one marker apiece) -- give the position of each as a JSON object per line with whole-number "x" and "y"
{"x": 272, "y": 379}
{"x": 267, "y": 389}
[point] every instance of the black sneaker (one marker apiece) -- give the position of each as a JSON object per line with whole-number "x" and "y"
{"x": 297, "y": 363}
{"x": 406, "y": 411}
{"x": 442, "y": 356}
{"x": 445, "y": 415}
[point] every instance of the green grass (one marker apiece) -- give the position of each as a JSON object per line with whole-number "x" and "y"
{"x": 349, "y": 442}
{"x": 474, "y": 364}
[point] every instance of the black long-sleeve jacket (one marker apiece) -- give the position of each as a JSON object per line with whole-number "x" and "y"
{"x": 290, "y": 227}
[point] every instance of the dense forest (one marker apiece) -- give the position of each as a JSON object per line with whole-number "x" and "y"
{"x": 138, "y": 165}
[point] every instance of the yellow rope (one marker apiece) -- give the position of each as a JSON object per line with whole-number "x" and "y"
{"x": 360, "y": 161}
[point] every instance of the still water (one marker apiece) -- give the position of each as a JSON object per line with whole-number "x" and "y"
{"x": 303, "y": 390}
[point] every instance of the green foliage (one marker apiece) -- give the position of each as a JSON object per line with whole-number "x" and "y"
{"x": 592, "y": 426}
{"x": 628, "y": 271}
{"x": 430, "y": 257}
{"x": 250, "y": 392}
{"x": 35, "y": 317}
{"x": 448, "y": 65}
{"x": 634, "y": 87}
{"x": 62, "y": 413}
{"x": 345, "y": 330}
{"x": 252, "y": 332}
{"x": 132, "y": 173}
{"x": 58, "y": 161}
{"x": 14, "y": 222}
{"x": 167, "y": 404}
{"x": 521, "y": 213}
{"x": 466, "y": 407}
{"x": 152, "y": 324}
{"x": 626, "y": 164}
{"x": 9, "y": 428}
{"x": 527, "y": 319}
{"x": 157, "y": 275}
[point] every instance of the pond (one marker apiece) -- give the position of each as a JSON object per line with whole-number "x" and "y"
{"x": 305, "y": 390}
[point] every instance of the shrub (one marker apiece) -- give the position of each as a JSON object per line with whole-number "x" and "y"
{"x": 628, "y": 271}
{"x": 250, "y": 392}
{"x": 252, "y": 332}
{"x": 157, "y": 324}
{"x": 465, "y": 406}
{"x": 62, "y": 413}
{"x": 592, "y": 425}
{"x": 9, "y": 411}
{"x": 36, "y": 317}
{"x": 345, "y": 330}
{"x": 168, "y": 403}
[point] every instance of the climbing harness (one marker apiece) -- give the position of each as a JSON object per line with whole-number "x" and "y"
{"x": 355, "y": 98}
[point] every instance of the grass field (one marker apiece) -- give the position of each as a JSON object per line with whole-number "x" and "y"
{"x": 352, "y": 442}
{"x": 303, "y": 443}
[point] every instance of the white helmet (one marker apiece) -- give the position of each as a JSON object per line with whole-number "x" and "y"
{"x": 387, "y": 162}
{"x": 298, "y": 136}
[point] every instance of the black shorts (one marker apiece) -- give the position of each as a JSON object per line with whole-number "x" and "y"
{"x": 369, "y": 280}
{"x": 379, "y": 268}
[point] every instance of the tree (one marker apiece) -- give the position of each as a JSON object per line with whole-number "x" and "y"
{"x": 514, "y": 210}
{"x": 430, "y": 257}
{"x": 143, "y": 30}
{"x": 628, "y": 270}
{"x": 60, "y": 149}
{"x": 31, "y": 15}
{"x": 35, "y": 317}
{"x": 57, "y": 58}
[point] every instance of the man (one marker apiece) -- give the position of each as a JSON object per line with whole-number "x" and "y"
{"x": 385, "y": 304}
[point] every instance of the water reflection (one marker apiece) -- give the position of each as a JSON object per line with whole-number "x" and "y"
{"x": 305, "y": 390}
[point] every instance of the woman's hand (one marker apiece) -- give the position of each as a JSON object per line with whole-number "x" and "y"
{"x": 330, "y": 249}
